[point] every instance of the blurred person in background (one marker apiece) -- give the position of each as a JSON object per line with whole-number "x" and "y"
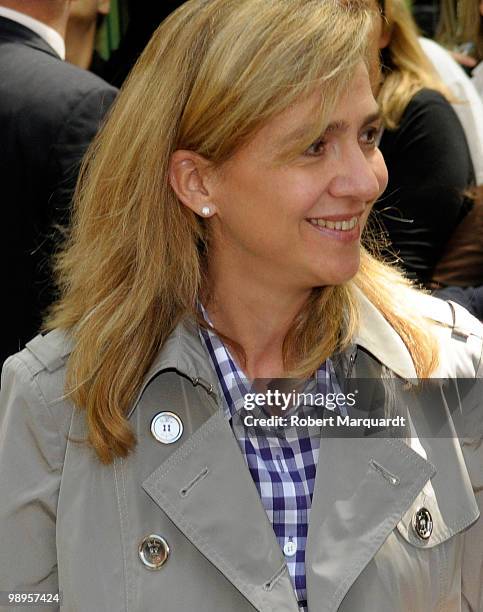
{"x": 461, "y": 30}
{"x": 466, "y": 101}
{"x": 50, "y": 111}
{"x": 458, "y": 275}
{"x": 85, "y": 18}
{"x": 459, "y": 272}
{"x": 424, "y": 147}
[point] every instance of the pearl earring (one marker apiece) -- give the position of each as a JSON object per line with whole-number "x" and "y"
{"x": 206, "y": 211}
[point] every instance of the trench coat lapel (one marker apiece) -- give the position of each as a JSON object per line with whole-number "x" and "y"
{"x": 363, "y": 487}
{"x": 355, "y": 507}
{"x": 205, "y": 488}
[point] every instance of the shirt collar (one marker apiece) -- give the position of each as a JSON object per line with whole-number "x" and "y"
{"x": 51, "y": 36}
{"x": 234, "y": 384}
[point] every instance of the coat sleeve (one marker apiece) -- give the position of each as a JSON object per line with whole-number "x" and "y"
{"x": 472, "y": 446}
{"x": 31, "y": 457}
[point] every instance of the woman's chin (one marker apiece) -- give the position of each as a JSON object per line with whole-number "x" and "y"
{"x": 339, "y": 275}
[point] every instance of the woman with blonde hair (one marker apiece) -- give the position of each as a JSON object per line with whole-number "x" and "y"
{"x": 425, "y": 149}
{"x": 155, "y": 451}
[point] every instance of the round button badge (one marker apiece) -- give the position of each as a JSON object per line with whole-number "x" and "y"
{"x": 167, "y": 427}
{"x": 423, "y": 523}
{"x": 153, "y": 551}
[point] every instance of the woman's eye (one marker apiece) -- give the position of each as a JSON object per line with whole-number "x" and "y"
{"x": 370, "y": 137}
{"x": 316, "y": 148}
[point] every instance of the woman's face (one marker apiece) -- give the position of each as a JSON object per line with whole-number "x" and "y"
{"x": 299, "y": 223}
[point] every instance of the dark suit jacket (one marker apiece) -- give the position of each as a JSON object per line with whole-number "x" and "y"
{"x": 49, "y": 112}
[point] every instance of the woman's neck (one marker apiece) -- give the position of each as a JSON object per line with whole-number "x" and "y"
{"x": 258, "y": 318}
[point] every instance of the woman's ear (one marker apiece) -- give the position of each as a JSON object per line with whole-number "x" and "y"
{"x": 189, "y": 177}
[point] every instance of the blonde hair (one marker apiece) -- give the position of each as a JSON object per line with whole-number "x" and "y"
{"x": 406, "y": 67}
{"x": 214, "y": 72}
{"x": 461, "y": 22}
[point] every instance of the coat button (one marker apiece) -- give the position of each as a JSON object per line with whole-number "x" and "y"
{"x": 153, "y": 551}
{"x": 423, "y": 523}
{"x": 167, "y": 427}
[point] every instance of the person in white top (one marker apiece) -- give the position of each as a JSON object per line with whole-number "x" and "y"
{"x": 469, "y": 105}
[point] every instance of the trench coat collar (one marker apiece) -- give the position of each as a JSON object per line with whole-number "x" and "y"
{"x": 379, "y": 338}
{"x": 183, "y": 353}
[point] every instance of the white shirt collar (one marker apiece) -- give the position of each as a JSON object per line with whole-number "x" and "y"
{"x": 51, "y": 36}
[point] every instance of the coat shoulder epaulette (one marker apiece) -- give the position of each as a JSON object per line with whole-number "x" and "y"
{"x": 48, "y": 352}
{"x": 452, "y": 316}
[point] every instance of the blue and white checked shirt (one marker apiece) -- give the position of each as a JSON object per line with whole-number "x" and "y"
{"x": 282, "y": 463}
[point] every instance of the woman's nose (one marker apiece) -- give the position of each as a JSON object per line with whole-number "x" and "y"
{"x": 360, "y": 176}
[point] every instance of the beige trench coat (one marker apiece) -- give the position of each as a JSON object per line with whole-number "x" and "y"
{"x": 68, "y": 523}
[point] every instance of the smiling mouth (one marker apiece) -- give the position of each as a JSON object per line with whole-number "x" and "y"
{"x": 344, "y": 226}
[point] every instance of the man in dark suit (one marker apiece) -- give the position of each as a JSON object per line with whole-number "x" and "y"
{"x": 49, "y": 112}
